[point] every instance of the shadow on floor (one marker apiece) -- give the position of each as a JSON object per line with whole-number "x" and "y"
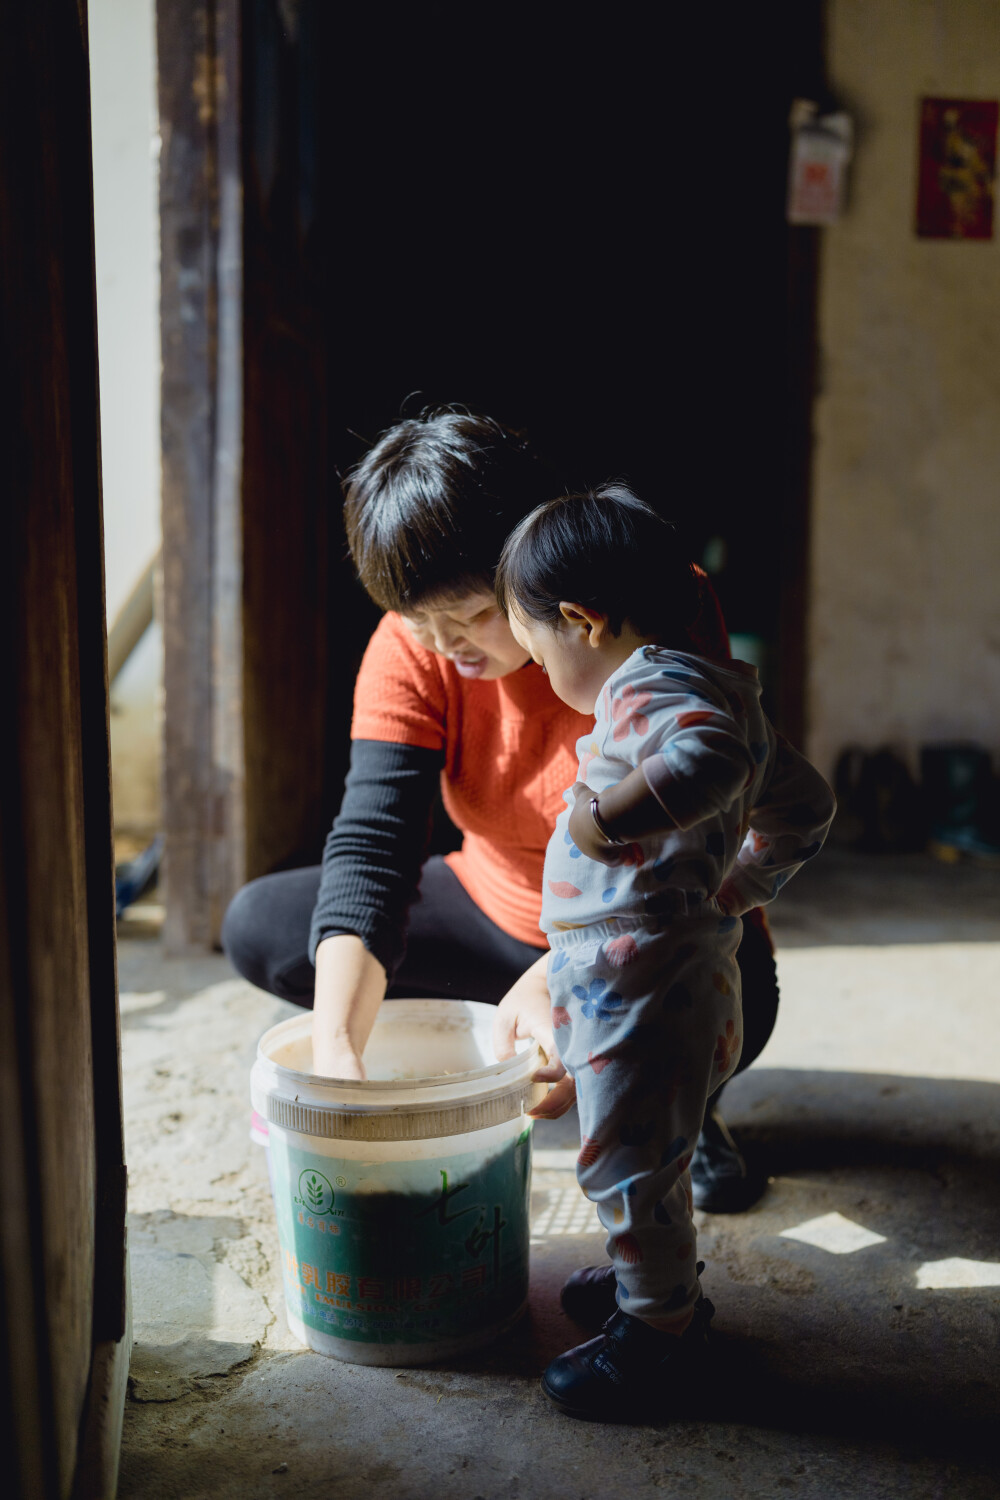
{"x": 858, "y": 1343}
{"x": 881, "y": 899}
{"x": 837, "y": 1372}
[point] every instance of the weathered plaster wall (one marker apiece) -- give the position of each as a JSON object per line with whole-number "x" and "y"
{"x": 123, "y": 121}
{"x": 905, "y": 588}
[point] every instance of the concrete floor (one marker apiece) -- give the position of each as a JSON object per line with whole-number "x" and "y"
{"x": 858, "y": 1360}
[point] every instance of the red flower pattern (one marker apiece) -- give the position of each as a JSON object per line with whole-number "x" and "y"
{"x": 585, "y": 759}
{"x": 627, "y": 713}
{"x": 590, "y": 1150}
{"x": 726, "y": 1047}
{"x": 633, "y": 855}
{"x": 621, "y": 950}
{"x": 628, "y": 1248}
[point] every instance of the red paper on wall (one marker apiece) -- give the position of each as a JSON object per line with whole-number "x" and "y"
{"x": 958, "y": 146}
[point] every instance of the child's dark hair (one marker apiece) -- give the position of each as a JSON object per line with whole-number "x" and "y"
{"x": 605, "y": 549}
{"x": 429, "y": 506}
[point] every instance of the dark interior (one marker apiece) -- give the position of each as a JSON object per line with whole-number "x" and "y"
{"x": 573, "y": 219}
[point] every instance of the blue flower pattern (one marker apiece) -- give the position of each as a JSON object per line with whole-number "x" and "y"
{"x": 598, "y": 1005}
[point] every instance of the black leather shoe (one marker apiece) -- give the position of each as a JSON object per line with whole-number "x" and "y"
{"x": 720, "y": 1181}
{"x": 589, "y": 1296}
{"x": 628, "y": 1371}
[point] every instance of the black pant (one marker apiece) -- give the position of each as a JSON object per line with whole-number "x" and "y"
{"x": 452, "y": 948}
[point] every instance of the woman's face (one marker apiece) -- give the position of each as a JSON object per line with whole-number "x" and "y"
{"x": 471, "y": 632}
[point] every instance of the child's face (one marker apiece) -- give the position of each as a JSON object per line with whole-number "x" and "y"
{"x": 566, "y": 652}
{"x": 471, "y": 633}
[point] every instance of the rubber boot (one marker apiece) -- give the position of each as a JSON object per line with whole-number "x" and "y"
{"x": 721, "y": 1182}
{"x": 962, "y": 803}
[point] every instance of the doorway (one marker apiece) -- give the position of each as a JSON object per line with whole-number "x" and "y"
{"x": 570, "y": 219}
{"x": 574, "y": 220}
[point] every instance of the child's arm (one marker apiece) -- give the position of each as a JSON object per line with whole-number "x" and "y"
{"x": 788, "y": 826}
{"x": 700, "y": 768}
{"x": 627, "y": 810}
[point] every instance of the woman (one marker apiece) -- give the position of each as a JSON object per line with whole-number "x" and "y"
{"x": 446, "y": 697}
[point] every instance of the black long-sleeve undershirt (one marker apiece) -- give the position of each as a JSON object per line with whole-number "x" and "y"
{"x": 375, "y": 849}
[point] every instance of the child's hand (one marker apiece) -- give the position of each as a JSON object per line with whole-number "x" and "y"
{"x": 525, "y": 1011}
{"x": 628, "y": 810}
{"x": 584, "y": 831}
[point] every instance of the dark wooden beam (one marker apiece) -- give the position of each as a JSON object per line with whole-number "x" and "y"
{"x": 796, "y": 495}
{"x": 201, "y": 430}
{"x": 290, "y": 672}
{"x": 807, "y": 79}
{"x": 62, "y": 1204}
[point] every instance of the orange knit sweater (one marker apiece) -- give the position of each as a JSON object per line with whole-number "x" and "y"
{"x": 510, "y": 753}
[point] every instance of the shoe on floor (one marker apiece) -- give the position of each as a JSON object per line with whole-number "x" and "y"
{"x": 720, "y": 1181}
{"x": 628, "y": 1372}
{"x": 590, "y": 1296}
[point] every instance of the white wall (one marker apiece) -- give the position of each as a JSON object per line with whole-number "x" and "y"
{"x": 905, "y": 557}
{"x": 123, "y": 110}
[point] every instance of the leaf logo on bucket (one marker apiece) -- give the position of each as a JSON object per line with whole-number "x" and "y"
{"x": 315, "y": 1192}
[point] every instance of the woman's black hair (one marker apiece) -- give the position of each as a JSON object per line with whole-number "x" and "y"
{"x": 605, "y": 549}
{"x": 429, "y": 506}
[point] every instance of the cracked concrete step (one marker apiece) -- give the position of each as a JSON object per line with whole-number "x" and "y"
{"x": 193, "y": 1318}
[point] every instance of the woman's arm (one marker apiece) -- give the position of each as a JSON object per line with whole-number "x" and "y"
{"x": 350, "y": 987}
{"x": 371, "y": 866}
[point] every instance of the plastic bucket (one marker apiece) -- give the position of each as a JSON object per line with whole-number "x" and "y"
{"x": 402, "y": 1202}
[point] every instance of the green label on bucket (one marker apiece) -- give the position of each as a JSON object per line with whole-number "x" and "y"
{"x": 403, "y": 1252}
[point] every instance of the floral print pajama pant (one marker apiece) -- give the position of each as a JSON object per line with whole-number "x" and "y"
{"x": 647, "y": 1019}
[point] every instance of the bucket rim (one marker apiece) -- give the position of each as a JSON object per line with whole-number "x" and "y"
{"x": 507, "y": 1073}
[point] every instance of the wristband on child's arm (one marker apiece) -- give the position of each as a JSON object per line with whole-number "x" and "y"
{"x": 602, "y": 828}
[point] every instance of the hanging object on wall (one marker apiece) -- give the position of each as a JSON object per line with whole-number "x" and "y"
{"x": 817, "y": 170}
{"x": 958, "y": 151}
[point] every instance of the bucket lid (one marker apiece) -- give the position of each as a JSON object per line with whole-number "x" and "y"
{"x": 434, "y": 1075}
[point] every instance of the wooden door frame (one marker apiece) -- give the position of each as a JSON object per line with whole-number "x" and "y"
{"x": 65, "y": 1340}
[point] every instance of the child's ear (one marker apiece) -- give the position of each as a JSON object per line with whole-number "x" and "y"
{"x": 590, "y": 624}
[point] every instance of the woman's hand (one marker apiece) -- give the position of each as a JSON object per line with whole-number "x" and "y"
{"x": 350, "y": 987}
{"x": 525, "y": 1011}
{"x": 335, "y": 1057}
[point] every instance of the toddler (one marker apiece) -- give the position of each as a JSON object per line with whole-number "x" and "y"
{"x": 688, "y": 811}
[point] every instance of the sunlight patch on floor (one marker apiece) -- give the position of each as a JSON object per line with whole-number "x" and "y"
{"x": 130, "y": 1001}
{"x": 939, "y": 1275}
{"x": 566, "y": 1211}
{"x": 834, "y": 1233}
{"x": 554, "y": 1161}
